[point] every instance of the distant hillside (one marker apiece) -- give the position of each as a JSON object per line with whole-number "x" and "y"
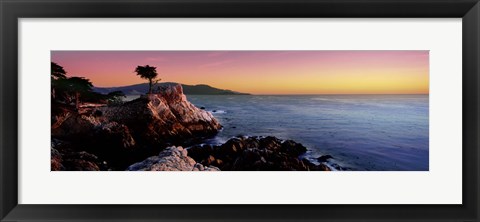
{"x": 139, "y": 89}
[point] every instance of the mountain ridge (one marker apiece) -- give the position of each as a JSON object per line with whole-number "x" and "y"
{"x": 142, "y": 88}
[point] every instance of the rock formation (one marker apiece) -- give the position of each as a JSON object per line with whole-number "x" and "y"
{"x": 165, "y": 118}
{"x": 255, "y": 153}
{"x": 124, "y": 134}
{"x": 69, "y": 159}
{"x": 171, "y": 159}
{"x": 148, "y": 132}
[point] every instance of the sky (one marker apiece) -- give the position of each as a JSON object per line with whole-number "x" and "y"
{"x": 260, "y": 72}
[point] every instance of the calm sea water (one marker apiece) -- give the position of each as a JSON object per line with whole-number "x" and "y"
{"x": 361, "y": 132}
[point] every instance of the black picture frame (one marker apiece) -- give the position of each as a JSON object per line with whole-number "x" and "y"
{"x": 12, "y": 10}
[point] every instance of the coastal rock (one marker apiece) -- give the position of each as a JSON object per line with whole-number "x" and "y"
{"x": 63, "y": 158}
{"x": 56, "y": 160}
{"x": 127, "y": 133}
{"x": 107, "y": 139}
{"x": 293, "y": 148}
{"x": 324, "y": 158}
{"x": 73, "y": 125}
{"x": 113, "y": 134}
{"x": 164, "y": 118}
{"x": 84, "y": 129}
{"x": 81, "y": 161}
{"x": 323, "y": 167}
{"x": 171, "y": 159}
{"x": 254, "y": 153}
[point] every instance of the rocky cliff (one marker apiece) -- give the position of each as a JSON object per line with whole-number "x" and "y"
{"x": 148, "y": 134}
{"x": 122, "y": 135}
{"x": 164, "y": 118}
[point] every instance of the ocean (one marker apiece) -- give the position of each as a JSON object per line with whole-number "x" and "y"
{"x": 360, "y": 132}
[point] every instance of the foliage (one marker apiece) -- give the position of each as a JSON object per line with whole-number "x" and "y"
{"x": 73, "y": 89}
{"x": 149, "y": 73}
{"x": 57, "y": 71}
{"x": 57, "y": 74}
{"x": 78, "y": 84}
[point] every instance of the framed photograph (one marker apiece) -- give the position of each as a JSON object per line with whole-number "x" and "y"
{"x": 225, "y": 110}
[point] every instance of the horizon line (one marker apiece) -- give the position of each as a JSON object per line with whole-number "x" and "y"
{"x": 270, "y": 94}
{"x": 335, "y": 94}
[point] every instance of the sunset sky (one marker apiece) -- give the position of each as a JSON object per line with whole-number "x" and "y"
{"x": 261, "y": 72}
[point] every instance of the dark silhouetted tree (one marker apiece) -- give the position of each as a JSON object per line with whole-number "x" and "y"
{"x": 78, "y": 86}
{"x": 57, "y": 75}
{"x": 149, "y": 73}
{"x": 67, "y": 90}
{"x": 57, "y": 71}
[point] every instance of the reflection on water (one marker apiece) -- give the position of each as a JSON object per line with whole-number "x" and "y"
{"x": 361, "y": 132}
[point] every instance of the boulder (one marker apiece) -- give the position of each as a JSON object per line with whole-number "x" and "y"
{"x": 254, "y": 153}
{"x": 293, "y": 148}
{"x": 171, "y": 159}
{"x": 324, "y": 158}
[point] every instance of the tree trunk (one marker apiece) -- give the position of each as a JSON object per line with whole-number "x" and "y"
{"x": 150, "y": 86}
{"x": 77, "y": 100}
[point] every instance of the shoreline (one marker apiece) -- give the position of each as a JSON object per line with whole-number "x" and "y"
{"x": 141, "y": 128}
{"x": 375, "y": 133}
{"x": 214, "y": 141}
{"x": 98, "y": 137}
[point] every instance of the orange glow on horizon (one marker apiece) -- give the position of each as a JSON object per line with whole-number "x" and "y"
{"x": 261, "y": 72}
